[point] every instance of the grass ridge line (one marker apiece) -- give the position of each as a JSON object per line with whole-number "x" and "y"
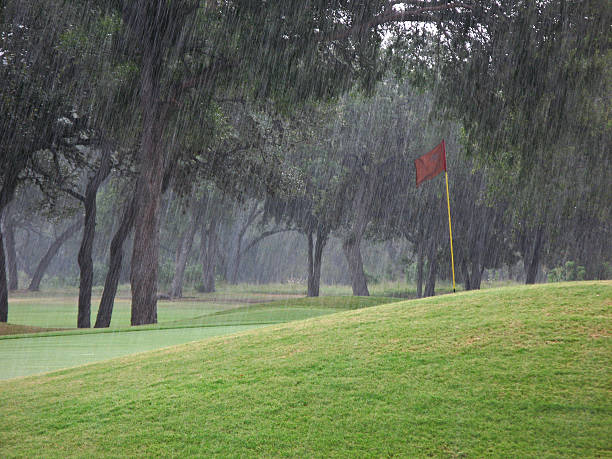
{"x": 95, "y": 331}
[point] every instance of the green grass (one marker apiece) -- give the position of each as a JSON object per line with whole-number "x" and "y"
{"x": 26, "y": 350}
{"x": 59, "y": 311}
{"x": 512, "y": 372}
{"x": 385, "y": 288}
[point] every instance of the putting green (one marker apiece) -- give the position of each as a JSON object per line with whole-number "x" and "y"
{"x": 38, "y": 354}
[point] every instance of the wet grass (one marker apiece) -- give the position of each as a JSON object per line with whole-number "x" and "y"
{"x": 59, "y": 311}
{"x": 386, "y": 288}
{"x": 12, "y": 329}
{"x": 26, "y": 350}
{"x": 513, "y": 372}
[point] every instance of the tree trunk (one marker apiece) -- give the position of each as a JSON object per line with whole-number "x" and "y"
{"x": 182, "y": 254}
{"x": 479, "y": 257}
{"x": 420, "y": 263}
{"x": 176, "y": 290}
{"x": 85, "y": 259}
{"x": 476, "y": 276}
{"x": 352, "y": 242}
{"x": 352, "y": 252}
{"x": 6, "y": 195}
{"x": 105, "y": 311}
{"x": 145, "y": 255}
{"x": 430, "y": 285}
{"x": 176, "y": 286}
{"x": 3, "y": 283}
{"x": 310, "y": 291}
{"x": 466, "y": 275}
{"x": 314, "y": 262}
{"x": 51, "y": 252}
{"x": 209, "y": 250}
{"x": 237, "y": 260}
{"x": 255, "y": 212}
{"x": 11, "y": 254}
{"x": 532, "y": 263}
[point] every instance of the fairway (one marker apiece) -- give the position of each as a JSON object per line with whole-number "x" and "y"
{"x": 512, "y": 372}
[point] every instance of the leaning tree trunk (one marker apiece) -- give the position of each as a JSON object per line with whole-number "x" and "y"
{"x": 11, "y": 254}
{"x": 85, "y": 258}
{"x": 315, "y": 256}
{"x": 176, "y": 290}
{"x": 51, "y": 252}
{"x": 255, "y": 212}
{"x": 105, "y": 311}
{"x": 352, "y": 252}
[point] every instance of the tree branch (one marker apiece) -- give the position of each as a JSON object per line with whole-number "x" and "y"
{"x": 73, "y": 193}
{"x": 390, "y": 15}
{"x": 262, "y": 236}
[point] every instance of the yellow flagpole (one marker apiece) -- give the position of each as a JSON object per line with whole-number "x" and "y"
{"x": 450, "y": 231}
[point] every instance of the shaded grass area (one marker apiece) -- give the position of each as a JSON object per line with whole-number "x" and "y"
{"x": 514, "y": 372}
{"x": 12, "y": 329}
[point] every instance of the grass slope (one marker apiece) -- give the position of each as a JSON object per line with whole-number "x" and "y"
{"x": 522, "y": 371}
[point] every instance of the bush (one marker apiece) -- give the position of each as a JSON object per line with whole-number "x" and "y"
{"x": 165, "y": 273}
{"x": 371, "y": 278}
{"x": 193, "y": 274}
{"x": 568, "y": 272}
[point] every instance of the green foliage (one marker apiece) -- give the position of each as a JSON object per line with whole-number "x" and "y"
{"x": 193, "y": 274}
{"x": 371, "y": 278}
{"x": 568, "y": 272}
{"x": 165, "y": 273}
{"x": 410, "y": 272}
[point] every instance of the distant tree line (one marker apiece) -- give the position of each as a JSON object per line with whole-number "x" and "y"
{"x": 167, "y": 132}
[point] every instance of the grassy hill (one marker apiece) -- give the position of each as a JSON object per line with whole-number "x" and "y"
{"x": 519, "y": 371}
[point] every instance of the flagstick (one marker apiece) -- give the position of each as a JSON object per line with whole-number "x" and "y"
{"x": 450, "y": 231}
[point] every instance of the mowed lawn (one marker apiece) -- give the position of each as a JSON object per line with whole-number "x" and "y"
{"x": 53, "y": 348}
{"x": 512, "y": 372}
{"x": 60, "y": 311}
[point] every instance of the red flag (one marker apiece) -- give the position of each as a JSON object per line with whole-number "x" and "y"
{"x": 430, "y": 164}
